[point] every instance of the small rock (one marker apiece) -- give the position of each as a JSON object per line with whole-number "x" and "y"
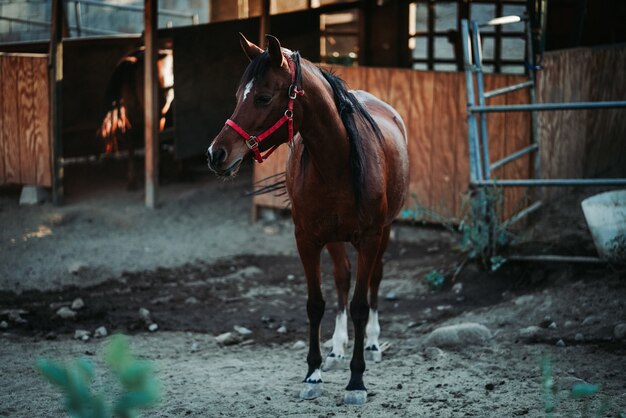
{"x": 15, "y": 315}
{"x": 459, "y": 335}
{"x": 592, "y": 319}
{"x": 242, "y": 330}
{"x": 228, "y": 338}
{"x": 75, "y": 267}
{"x": 391, "y": 295}
{"x": 490, "y": 386}
{"x": 153, "y": 327}
{"x": 290, "y": 277}
{"x": 282, "y": 330}
{"x": 66, "y": 313}
{"x": 77, "y": 304}
{"x": 194, "y": 347}
{"x": 81, "y": 334}
{"x": 457, "y": 288}
{"x": 620, "y": 331}
{"x": 162, "y": 300}
{"x": 579, "y": 337}
{"x": 568, "y": 324}
{"x": 50, "y": 336}
{"x": 433, "y": 353}
{"x": 432, "y": 249}
{"x": 568, "y": 382}
{"x": 298, "y": 345}
{"x": 100, "y": 332}
{"x": 191, "y": 301}
{"x": 524, "y": 300}
{"x": 144, "y": 314}
{"x": 552, "y": 325}
{"x": 4, "y": 325}
{"x": 270, "y": 230}
{"x": 531, "y": 332}
{"x": 444, "y": 307}
{"x": 560, "y": 343}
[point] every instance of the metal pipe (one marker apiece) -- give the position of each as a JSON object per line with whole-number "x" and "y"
{"x": 480, "y": 86}
{"x": 77, "y": 18}
{"x": 47, "y": 24}
{"x": 472, "y": 127}
{"x": 549, "y": 182}
{"x": 556, "y": 258}
{"x": 548, "y": 106}
{"x": 514, "y": 156}
{"x": 522, "y": 214}
{"x": 508, "y": 89}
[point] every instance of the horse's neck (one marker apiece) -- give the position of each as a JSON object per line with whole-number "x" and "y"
{"x": 323, "y": 134}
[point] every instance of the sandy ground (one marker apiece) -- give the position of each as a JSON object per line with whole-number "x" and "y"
{"x": 120, "y": 256}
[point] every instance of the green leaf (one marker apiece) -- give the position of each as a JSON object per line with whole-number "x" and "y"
{"x": 582, "y": 390}
{"x": 55, "y": 374}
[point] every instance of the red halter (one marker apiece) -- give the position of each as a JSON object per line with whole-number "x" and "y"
{"x": 253, "y": 141}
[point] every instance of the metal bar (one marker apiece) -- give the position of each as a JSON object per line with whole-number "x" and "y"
{"x": 514, "y": 156}
{"x": 430, "y": 51}
{"x": 508, "y": 89}
{"x": 472, "y": 127}
{"x": 548, "y": 106}
{"x": 151, "y": 131}
{"x": 534, "y": 125}
{"x": 55, "y": 78}
{"x": 556, "y": 258}
{"x": 549, "y": 182}
{"x": 522, "y": 214}
{"x": 77, "y": 18}
{"x": 480, "y": 86}
{"x": 446, "y": 34}
{"x": 165, "y": 12}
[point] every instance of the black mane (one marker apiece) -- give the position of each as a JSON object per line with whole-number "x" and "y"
{"x": 349, "y": 106}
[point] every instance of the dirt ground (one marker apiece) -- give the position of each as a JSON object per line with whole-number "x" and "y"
{"x": 201, "y": 268}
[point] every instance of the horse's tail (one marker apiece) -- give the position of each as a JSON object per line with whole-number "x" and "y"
{"x": 115, "y": 121}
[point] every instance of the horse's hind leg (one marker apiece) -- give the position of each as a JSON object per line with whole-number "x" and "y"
{"x": 310, "y": 257}
{"x": 341, "y": 271}
{"x": 368, "y": 247}
{"x": 372, "y": 329}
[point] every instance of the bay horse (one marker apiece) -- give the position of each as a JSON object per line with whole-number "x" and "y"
{"x": 123, "y": 122}
{"x": 346, "y": 177}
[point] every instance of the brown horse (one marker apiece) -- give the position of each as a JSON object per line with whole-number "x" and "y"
{"x": 124, "y": 119}
{"x": 347, "y": 178}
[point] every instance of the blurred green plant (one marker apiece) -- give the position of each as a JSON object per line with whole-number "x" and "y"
{"x": 553, "y": 396}
{"x": 435, "y": 279}
{"x": 138, "y": 387}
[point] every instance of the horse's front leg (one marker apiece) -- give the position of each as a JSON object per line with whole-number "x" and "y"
{"x": 368, "y": 248}
{"x": 310, "y": 257}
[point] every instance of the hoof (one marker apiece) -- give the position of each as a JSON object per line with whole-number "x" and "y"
{"x": 373, "y": 354}
{"x": 355, "y": 397}
{"x": 334, "y": 363}
{"x": 311, "y": 391}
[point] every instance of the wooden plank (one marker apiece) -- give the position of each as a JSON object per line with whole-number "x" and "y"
{"x": 496, "y": 127}
{"x": 518, "y": 129}
{"x": 446, "y": 134}
{"x": 420, "y": 126}
{"x": 2, "y": 140}
{"x": 10, "y": 127}
{"x": 26, "y": 109}
{"x": 43, "y": 152}
{"x": 378, "y": 82}
{"x": 461, "y": 150}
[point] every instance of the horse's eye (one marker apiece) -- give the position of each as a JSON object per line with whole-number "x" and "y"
{"x": 262, "y": 99}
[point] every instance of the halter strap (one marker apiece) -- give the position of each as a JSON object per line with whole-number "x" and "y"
{"x": 253, "y": 141}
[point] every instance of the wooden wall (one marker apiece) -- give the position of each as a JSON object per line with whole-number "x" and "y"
{"x": 583, "y": 143}
{"x": 432, "y": 105}
{"x": 25, "y": 146}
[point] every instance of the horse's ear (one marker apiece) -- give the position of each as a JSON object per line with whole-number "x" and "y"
{"x": 276, "y": 53}
{"x": 251, "y": 50}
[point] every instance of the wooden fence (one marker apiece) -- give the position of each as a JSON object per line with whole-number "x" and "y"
{"x": 25, "y": 147}
{"x": 432, "y": 105}
{"x": 583, "y": 143}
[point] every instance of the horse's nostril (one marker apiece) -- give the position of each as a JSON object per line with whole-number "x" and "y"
{"x": 218, "y": 156}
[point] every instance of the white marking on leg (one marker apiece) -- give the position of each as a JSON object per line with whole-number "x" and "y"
{"x": 315, "y": 377}
{"x": 372, "y": 331}
{"x": 247, "y": 89}
{"x": 340, "y": 336}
